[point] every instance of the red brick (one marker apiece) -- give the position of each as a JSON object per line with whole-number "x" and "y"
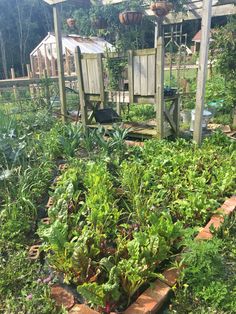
{"x": 216, "y": 222}
{"x": 133, "y": 143}
{"x": 171, "y": 276}
{"x": 62, "y": 167}
{"x": 229, "y": 205}
{"x": 151, "y": 300}
{"x": 34, "y": 252}
{"x": 204, "y": 235}
{"x": 50, "y": 202}
{"x": 82, "y": 309}
{"x": 62, "y": 297}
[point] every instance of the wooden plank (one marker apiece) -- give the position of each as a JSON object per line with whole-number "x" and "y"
{"x": 96, "y": 76}
{"x": 202, "y": 71}
{"x": 144, "y": 52}
{"x": 28, "y": 71}
{"x": 32, "y": 65}
{"x": 13, "y": 75}
{"x": 85, "y": 76}
{"x": 170, "y": 120}
{"x": 137, "y": 75}
{"x": 176, "y": 115}
{"x": 221, "y": 10}
{"x": 40, "y": 67}
{"x": 93, "y": 76}
{"x": 159, "y": 97}
{"x": 131, "y": 76}
{"x": 144, "y": 75}
{"x": 144, "y": 100}
{"x": 47, "y": 64}
{"x": 53, "y": 63}
{"x": 138, "y": 130}
{"x": 68, "y": 67}
{"x": 88, "y": 56}
{"x": 79, "y": 73}
{"x": 60, "y": 61}
{"x": 151, "y": 75}
{"x": 20, "y": 82}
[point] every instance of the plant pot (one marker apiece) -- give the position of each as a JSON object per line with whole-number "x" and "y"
{"x": 99, "y": 23}
{"x": 205, "y": 119}
{"x": 161, "y": 8}
{"x": 186, "y": 116}
{"x": 70, "y": 22}
{"x": 130, "y": 17}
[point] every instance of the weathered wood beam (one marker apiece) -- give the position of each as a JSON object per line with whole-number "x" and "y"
{"x": 202, "y": 70}
{"x": 26, "y": 82}
{"x": 60, "y": 62}
{"x": 193, "y": 10}
{"x": 221, "y": 10}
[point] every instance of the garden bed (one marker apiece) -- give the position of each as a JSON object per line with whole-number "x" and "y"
{"x": 117, "y": 213}
{"x": 107, "y": 216}
{"x": 152, "y": 299}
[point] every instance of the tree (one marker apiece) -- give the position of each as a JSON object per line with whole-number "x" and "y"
{"x": 225, "y": 54}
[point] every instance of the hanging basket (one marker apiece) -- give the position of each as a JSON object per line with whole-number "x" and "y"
{"x": 130, "y": 17}
{"x": 99, "y": 23}
{"x": 161, "y": 8}
{"x": 70, "y": 22}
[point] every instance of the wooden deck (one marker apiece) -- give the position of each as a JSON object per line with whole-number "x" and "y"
{"x": 137, "y": 130}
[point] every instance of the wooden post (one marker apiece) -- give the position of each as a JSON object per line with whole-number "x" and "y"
{"x": 131, "y": 76}
{"x": 176, "y": 114}
{"x": 46, "y": 60}
{"x": 47, "y": 90}
{"x": 53, "y": 66}
{"x": 60, "y": 65}
{"x": 202, "y": 70}
{"x": 159, "y": 97}
{"x": 171, "y": 54}
{"x": 29, "y": 74}
{"x": 68, "y": 71}
{"x": 179, "y": 56}
{"x": 40, "y": 63}
{"x": 28, "y": 71}
{"x": 79, "y": 73}
{"x": 101, "y": 80}
{"x": 32, "y": 66}
{"x": 234, "y": 117}
{"x": 31, "y": 89}
{"x": 13, "y": 76}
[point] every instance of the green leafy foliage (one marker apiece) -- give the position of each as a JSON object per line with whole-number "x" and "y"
{"x": 207, "y": 283}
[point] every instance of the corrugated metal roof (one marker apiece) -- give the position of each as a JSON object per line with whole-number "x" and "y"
{"x": 70, "y": 42}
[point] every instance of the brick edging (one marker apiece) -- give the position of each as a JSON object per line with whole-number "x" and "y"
{"x": 153, "y": 298}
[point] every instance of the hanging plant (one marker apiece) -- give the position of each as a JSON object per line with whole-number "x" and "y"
{"x": 99, "y": 22}
{"x": 161, "y": 8}
{"x": 130, "y": 17}
{"x": 70, "y": 22}
{"x": 133, "y": 13}
{"x": 97, "y": 17}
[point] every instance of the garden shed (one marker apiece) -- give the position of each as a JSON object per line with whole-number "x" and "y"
{"x": 197, "y": 39}
{"x": 44, "y": 56}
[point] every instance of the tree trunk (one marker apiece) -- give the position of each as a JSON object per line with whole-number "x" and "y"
{"x": 3, "y": 53}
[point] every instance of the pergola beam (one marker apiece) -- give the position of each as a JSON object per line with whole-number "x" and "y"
{"x": 193, "y": 10}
